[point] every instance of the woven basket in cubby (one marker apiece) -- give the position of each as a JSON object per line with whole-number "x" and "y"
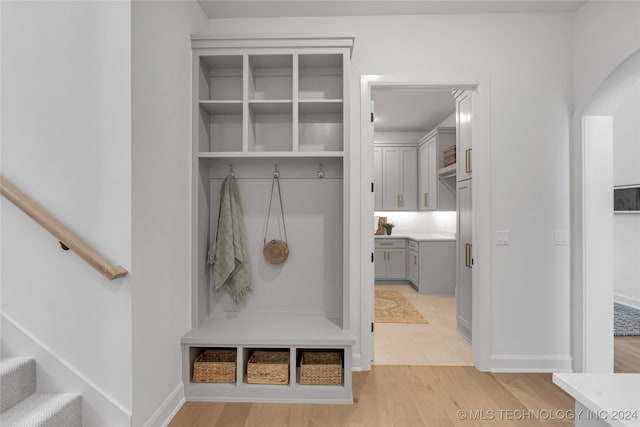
{"x": 268, "y": 367}
{"x": 215, "y": 366}
{"x": 321, "y": 368}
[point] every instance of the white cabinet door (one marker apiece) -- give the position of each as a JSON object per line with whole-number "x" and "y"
{"x": 391, "y": 181}
{"x": 464, "y": 260}
{"x": 377, "y": 178}
{"x": 463, "y": 135}
{"x": 380, "y": 261}
{"x": 396, "y": 263}
{"x": 414, "y": 270}
{"x": 408, "y": 170}
{"x": 432, "y": 189}
{"x": 423, "y": 176}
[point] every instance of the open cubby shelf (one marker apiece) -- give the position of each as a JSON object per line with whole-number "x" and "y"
{"x": 287, "y": 109}
{"x": 259, "y": 108}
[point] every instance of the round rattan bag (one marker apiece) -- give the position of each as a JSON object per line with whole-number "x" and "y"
{"x": 275, "y": 251}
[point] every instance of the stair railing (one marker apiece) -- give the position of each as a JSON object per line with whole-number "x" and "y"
{"x": 68, "y": 239}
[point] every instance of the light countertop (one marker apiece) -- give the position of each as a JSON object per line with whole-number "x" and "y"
{"x": 420, "y": 237}
{"x": 614, "y": 397}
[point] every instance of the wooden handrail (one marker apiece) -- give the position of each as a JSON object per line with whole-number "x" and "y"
{"x": 61, "y": 232}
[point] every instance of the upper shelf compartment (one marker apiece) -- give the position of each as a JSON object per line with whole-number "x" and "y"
{"x": 270, "y": 77}
{"x": 320, "y": 77}
{"x": 220, "y": 78}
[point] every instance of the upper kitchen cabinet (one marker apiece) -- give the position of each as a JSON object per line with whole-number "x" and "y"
{"x": 436, "y": 183}
{"x": 399, "y": 178}
{"x": 463, "y": 124}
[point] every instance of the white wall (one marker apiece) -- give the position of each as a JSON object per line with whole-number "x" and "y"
{"x": 402, "y": 137}
{"x": 527, "y": 59}
{"x": 626, "y": 160}
{"x": 66, "y": 141}
{"x": 161, "y": 163}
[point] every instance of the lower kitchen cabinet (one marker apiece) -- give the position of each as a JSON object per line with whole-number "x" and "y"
{"x": 437, "y": 267}
{"x": 390, "y": 259}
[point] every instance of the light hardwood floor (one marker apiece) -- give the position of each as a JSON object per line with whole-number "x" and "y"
{"x": 627, "y": 354}
{"x": 406, "y": 396}
{"x": 436, "y": 343}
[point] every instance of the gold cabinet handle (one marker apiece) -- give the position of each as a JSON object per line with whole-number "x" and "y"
{"x": 467, "y": 161}
{"x": 402, "y": 200}
{"x": 425, "y": 199}
{"x": 398, "y": 200}
{"x": 385, "y": 244}
{"x": 467, "y": 255}
{"x": 415, "y": 260}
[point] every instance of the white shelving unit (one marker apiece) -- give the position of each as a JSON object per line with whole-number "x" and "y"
{"x": 260, "y": 104}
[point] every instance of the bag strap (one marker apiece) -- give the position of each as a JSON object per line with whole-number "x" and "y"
{"x": 276, "y": 179}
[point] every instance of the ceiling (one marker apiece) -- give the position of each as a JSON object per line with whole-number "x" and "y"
{"x": 410, "y": 110}
{"x": 310, "y": 8}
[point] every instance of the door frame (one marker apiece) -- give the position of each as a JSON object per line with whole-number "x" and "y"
{"x": 481, "y": 215}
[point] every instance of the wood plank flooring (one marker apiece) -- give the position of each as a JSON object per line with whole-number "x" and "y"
{"x": 627, "y": 354}
{"x": 436, "y": 343}
{"x": 406, "y": 396}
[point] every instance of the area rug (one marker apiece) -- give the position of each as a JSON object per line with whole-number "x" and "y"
{"x": 392, "y": 307}
{"x": 626, "y": 320}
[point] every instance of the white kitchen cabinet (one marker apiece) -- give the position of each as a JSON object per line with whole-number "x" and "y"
{"x": 377, "y": 178}
{"x": 437, "y": 267}
{"x": 414, "y": 263}
{"x": 435, "y": 192}
{"x": 390, "y": 259}
{"x": 399, "y": 178}
{"x": 464, "y": 114}
{"x": 464, "y": 260}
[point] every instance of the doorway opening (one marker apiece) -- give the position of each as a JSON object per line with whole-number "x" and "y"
{"x": 597, "y": 168}
{"x": 411, "y": 128}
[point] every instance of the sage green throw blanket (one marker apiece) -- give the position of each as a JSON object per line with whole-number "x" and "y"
{"x": 230, "y": 269}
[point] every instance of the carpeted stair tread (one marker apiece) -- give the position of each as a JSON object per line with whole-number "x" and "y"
{"x": 17, "y": 381}
{"x": 45, "y": 409}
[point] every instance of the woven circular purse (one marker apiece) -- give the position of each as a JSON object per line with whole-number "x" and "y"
{"x": 275, "y": 251}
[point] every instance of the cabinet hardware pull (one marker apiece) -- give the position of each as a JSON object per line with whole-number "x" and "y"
{"x": 402, "y": 200}
{"x": 425, "y": 199}
{"x": 385, "y": 244}
{"x": 467, "y": 255}
{"x": 467, "y": 161}
{"x": 398, "y": 199}
{"x": 415, "y": 260}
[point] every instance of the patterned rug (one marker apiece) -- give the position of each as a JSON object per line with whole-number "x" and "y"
{"x": 392, "y": 307}
{"x": 626, "y": 320}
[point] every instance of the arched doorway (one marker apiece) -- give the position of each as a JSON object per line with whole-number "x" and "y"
{"x": 592, "y": 220}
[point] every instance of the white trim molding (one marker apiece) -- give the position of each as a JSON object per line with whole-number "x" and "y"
{"x": 530, "y": 363}
{"x": 629, "y": 301}
{"x": 167, "y": 409}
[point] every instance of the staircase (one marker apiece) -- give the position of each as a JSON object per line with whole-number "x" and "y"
{"x": 21, "y": 406}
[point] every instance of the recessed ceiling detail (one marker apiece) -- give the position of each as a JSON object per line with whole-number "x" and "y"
{"x": 309, "y": 8}
{"x": 410, "y": 111}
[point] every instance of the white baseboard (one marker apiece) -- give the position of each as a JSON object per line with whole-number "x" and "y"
{"x": 54, "y": 374}
{"x": 626, "y": 300}
{"x": 168, "y": 409}
{"x": 530, "y": 363}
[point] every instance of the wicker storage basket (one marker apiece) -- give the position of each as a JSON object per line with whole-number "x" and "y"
{"x": 268, "y": 367}
{"x": 321, "y": 368}
{"x": 449, "y": 154}
{"x": 215, "y": 366}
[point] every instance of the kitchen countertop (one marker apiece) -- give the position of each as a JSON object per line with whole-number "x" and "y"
{"x": 614, "y": 398}
{"x": 420, "y": 237}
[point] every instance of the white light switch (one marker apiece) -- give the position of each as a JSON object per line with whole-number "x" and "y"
{"x": 562, "y": 238}
{"x": 502, "y": 237}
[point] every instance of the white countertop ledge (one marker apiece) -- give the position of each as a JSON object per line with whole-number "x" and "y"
{"x": 421, "y": 237}
{"x": 611, "y": 394}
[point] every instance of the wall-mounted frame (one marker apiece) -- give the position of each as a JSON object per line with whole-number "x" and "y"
{"x": 626, "y": 198}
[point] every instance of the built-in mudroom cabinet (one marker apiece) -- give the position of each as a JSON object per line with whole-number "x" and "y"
{"x": 265, "y": 107}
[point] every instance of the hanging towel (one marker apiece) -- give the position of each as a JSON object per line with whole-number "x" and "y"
{"x": 230, "y": 269}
